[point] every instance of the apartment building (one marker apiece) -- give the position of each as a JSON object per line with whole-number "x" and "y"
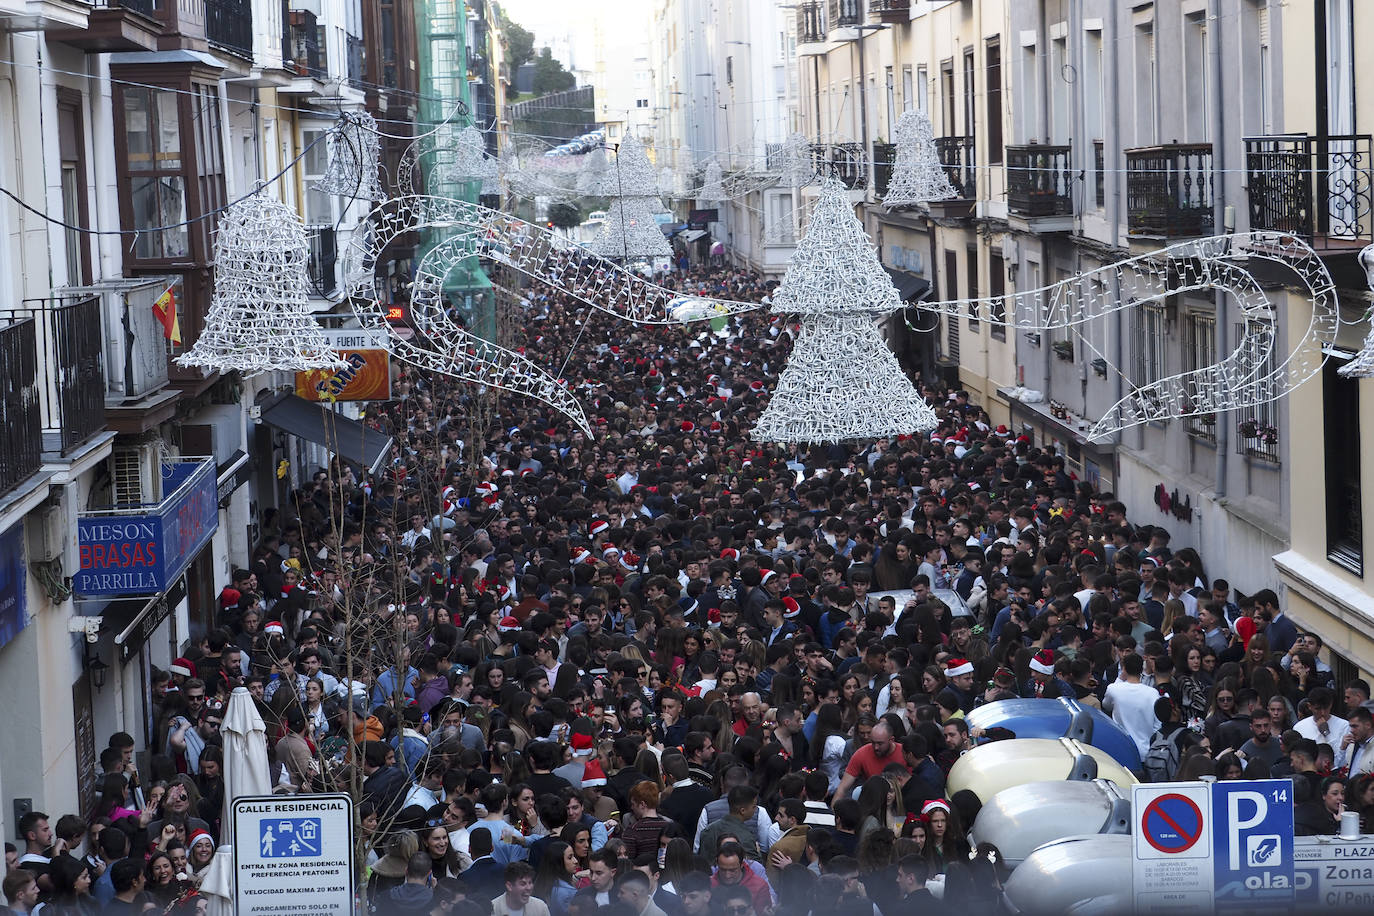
{"x": 727, "y": 90}
{"x": 140, "y": 119}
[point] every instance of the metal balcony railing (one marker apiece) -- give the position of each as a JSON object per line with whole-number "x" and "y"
{"x": 305, "y": 45}
{"x": 21, "y": 453}
{"x": 1317, "y": 188}
{"x": 890, "y": 10}
{"x": 1169, "y": 190}
{"x": 810, "y": 22}
{"x": 956, "y": 155}
{"x": 324, "y": 255}
{"x": 229, "y": 26}
{"x": 1039, "y": 180}
{"x": 72, "y": 389}
{"x": 846, "y": 14}
{"x": 884, "y": 156}
{"x": 845, "y": 161}
{"x": 146, "y": 7}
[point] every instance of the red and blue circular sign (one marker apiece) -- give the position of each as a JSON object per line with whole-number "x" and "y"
{"x": 1172, "y": 823}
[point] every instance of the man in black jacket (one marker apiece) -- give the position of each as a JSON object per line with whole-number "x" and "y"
{"x": 384, "y": 784}
{"x": 686, "y": 799}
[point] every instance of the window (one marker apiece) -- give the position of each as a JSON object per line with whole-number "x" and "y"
{"x": 993, "y": 65}
{"x": 319, "y": 206}
{"x": 1257, "y": 429}
{"x": 1266, "y": 76}
{"x": 1149, "y": 344}
{"x": 997, "y": 289}
{"x": 922, "y": 88}
{"x": 947, "y": 128}
{"x": 1146, "y": 85}
{"x": 891, "y": 87}
{"x": 1197, "y": 97}
{"x": 968, "y": 93}
{"x": 1060, "y": 116}
{"x": 1344, "y": 501}
{"x": 972, "y": 288}
{"x": 1199, "y": 351}
{"x": 1027, "y": 97}
{"x": 730, "y": 69}
{"x": 157, "y": 183}
{"x": 72, "y": 139}
{"x": 908, "y": 91}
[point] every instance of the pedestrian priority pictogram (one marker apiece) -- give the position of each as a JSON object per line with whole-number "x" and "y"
{"x": 289, "y": 837}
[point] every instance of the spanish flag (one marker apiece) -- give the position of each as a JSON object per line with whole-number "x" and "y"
{"x": 165, "y": 308}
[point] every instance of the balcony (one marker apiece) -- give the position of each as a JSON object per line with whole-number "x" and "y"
{"x": 324, "y": 255}
{"x": 72, "y": 391}
{"x": 1040, "y": 186}
{"x": 845, "y": 161}
{"x": 1169, "y": 190}
{"x": 42, "y": 15}
{"x": 884, "y": 156}
{"x": 115, "y": 25}
{"x": 894, "y": 11}
{"x": 956, "y": 155}
{"x": 1316, "y": 188}
{"x": 307, "y": 58}
{"x": 845, "y": 14}
{"x": 183, "y": 25}
{"x": 229, "y": 26}
{"x": 810, "y": 23}
{"x": 20, "y": 412}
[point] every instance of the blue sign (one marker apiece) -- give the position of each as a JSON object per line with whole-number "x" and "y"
{"x": 141, "y": 554}
{"x": 13, "y": 574}
{"x": 289, "y": 837}
{"x": 1252, "y": 826}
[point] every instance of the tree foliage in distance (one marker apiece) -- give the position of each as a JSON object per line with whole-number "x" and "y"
{"x": 549, "y": 74}
{"x": 519, "y": 44}
{"x": 565, "y": 215}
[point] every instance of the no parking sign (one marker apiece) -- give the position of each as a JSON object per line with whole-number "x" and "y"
{"x": 1172, "y": 868}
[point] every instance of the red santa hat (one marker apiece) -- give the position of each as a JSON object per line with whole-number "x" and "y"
{"x": 610, "y": 553}
{"x": 184, "y": 667}
{"x": 582, "y": 745}
{"x": 730, "y": 553}
{"x": 629, "y": 562}
{"x": 599, "y": 527}
{"x": 580, "y": 554}
{"x": 768, "y": 576}
{"x": 1043, "y": 662}
{"x": 790, "y": 607}
{"x": 229, "y": 597}
{"x": 935, "y": 804}
{"x": 688, "y": 426}
{"x": 957, "y": 666}
{"x": 198, "y": 836}
{"x": 487, "y": 488}
{"x": 1001, "y": 431}
{"x": 274, "y": 628}
{"x": 593, "y": 775}
{"x": 756, "y": 386}
{"x": 508, "y": 625}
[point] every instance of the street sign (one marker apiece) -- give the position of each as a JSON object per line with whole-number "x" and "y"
{"x": 1171, "y": 871}
{"x": 293, "y": 854}
{"x": 1333, "y": 874}
{"x": 1253, "y": 831}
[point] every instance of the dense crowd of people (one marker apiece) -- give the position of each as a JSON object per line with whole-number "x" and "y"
{"x": 666, "y": 669}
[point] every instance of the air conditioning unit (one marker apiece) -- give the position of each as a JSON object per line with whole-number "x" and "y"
{"x": 135, "y": 474}
{"x": 135, "y": 344}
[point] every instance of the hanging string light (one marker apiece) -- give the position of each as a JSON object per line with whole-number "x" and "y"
{"x": 469, "y": 159}
{"x": 917, "y": 175}
{"x": 841, "y": 381}
{"x": 259, "y": 318}
{"x": 630, "y": 229}
{"x": 712, "y": 184}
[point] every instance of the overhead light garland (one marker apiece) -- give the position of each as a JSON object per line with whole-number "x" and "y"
{"x": 842, "y": 382}
{"x": 259, "y": 318}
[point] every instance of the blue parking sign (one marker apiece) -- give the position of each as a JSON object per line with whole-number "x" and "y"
{"x": 1252, "y": 835}
{"x": 289, "y": 837}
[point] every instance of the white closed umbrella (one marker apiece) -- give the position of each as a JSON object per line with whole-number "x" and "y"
{"x": 246, "y": 773}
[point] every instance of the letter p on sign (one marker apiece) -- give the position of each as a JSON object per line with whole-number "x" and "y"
{"x": 1237, "y": 825}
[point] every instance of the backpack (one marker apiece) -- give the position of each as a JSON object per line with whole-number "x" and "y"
{"x": 1161, "y": 761}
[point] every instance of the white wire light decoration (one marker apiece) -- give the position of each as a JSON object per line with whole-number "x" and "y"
{"x": 798, "y": 161}
{"x": 469, "y": 159}
{"x": 259, "y": 318}
{"x": 1362, "y": 366}
{"x": 841, "y": 381}
{"x": 917, "y": 175}
{"x": 593, "y": 170}
{"x": 1254, "y": 373}
{"x": 629, "y": 174}
{"x": 630, "y": 230}
{"x": 712, "y": 183}
{"x": 354, "y": 159}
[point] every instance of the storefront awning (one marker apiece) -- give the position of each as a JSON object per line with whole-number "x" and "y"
{"x": 350, "y": 440}
{"x": 909, "y": 286}
{"x": 693, "y": 234}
